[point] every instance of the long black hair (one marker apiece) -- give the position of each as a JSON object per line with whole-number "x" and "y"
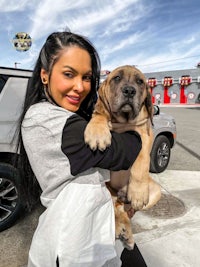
{"x": 48, "y": 56}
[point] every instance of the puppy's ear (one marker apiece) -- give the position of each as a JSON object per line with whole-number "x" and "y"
{"x": 102, "y": 105}
{"x": 149, "y": 104}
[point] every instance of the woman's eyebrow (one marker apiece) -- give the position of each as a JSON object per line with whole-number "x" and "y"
{"x": 74, "y": 70}
{"x": 68, "y": 67}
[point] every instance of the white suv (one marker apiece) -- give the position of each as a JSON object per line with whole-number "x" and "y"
{"x": 13, "y": 84}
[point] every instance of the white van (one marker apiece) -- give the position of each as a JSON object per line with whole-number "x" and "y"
{"x": 13, "y": 84}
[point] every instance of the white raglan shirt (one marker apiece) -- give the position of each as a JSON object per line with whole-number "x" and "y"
{"x": 78, "y": 225}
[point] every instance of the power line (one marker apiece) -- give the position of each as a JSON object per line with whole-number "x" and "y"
{"x": 168, "y": 61}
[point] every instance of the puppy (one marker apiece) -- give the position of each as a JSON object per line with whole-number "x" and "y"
{"x": 124, "y": 103}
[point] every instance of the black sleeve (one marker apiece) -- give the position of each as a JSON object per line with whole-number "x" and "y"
{"x": 120, "y": 155}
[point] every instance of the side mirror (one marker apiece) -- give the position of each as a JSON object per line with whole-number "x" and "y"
{"x": 156, "y": 110}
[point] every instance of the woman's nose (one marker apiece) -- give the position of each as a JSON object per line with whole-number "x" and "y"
{"x": 78, "y": 85}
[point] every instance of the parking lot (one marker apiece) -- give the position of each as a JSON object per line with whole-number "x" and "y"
{"x": 181, "y": 202}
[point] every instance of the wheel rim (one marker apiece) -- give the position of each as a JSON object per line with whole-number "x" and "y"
{"x": 163, "y": 155}
{"x": 8, "y": 198}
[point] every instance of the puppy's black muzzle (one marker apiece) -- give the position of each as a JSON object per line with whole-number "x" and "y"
{"x": 128, "y": 91}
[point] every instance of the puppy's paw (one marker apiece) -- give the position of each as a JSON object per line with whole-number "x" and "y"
{"x": 138, "y": 194}
{"x": 124, "y": 233}
{"x": 97, "y": 136}
{"x": 154, "y": 194}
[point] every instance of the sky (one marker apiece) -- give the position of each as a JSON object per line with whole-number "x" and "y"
{"x": 153, "y": 35}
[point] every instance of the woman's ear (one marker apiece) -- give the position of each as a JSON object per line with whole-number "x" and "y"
{"x": 44, "y": 76}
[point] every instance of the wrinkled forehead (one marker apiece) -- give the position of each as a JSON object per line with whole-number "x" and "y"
{"x": 128, "y": 74}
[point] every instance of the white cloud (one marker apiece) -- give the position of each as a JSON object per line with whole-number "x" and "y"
{"x": 150, "y": 34}
{"x": 51, "y": 15}
{"x": 80, "y": 16}
{"x": 16, "y": 5}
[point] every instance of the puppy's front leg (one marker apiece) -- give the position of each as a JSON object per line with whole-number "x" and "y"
{"x": 138, "y": 189}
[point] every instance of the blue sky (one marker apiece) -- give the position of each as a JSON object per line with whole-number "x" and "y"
{"x": 154, "y": 35}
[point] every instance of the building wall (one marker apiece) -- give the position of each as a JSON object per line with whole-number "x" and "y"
{"x": 175, "y": 94}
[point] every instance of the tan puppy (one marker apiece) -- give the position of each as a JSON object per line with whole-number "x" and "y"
{"x": 124, "y": 104}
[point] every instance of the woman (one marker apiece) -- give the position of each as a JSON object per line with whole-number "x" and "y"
{"x": 77, "y": 227}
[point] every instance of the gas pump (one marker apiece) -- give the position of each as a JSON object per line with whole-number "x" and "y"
{"x": 184, "y": 82}
{"x": 167, "y": 82}
{"x": 152, "y": 82}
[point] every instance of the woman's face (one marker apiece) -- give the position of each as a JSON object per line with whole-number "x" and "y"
{"x": 70, "y": 80}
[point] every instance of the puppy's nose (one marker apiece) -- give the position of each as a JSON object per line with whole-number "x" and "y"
{"x": 128, "y": 91}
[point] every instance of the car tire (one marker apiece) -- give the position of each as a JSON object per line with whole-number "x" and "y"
{"x": 160, "y": 154}
{"x": 10, "y": 196}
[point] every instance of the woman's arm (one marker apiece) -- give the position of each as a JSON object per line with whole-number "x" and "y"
{"x": 120, "y": 155}
{"x": 119, "y": 179}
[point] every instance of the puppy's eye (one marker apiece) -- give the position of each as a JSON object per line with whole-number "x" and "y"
{"x": 140, "y": 81}
{"x": 117, "y": 78}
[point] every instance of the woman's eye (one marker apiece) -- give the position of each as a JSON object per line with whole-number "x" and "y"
{"x": 87, "y": 78}
{"x": 68, "y": 74}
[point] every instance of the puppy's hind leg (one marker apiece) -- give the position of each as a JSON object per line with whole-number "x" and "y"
{"x": 123, "y": 228}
